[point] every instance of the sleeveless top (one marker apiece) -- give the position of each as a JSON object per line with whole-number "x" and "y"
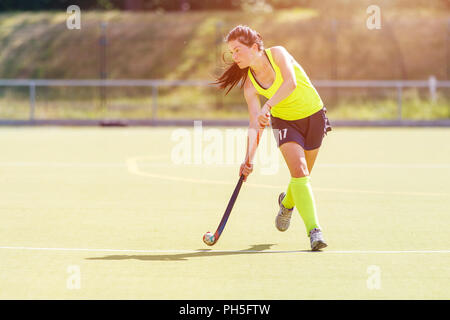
{"x": 301, "y": 103}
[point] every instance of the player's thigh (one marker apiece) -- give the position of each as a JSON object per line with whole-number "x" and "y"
{"x": 310, "y": 156}
{"x": 294, "y": 155}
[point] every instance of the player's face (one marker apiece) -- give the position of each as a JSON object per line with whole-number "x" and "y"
{"x": 242, "y": 55}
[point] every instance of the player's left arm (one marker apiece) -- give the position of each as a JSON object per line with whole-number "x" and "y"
{"x": 284, "y": 61}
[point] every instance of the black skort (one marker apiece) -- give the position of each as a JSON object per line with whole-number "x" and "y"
{"x": 307, "y": 132}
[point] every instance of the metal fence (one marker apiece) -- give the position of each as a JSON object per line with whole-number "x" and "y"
{"x": 154, "y": 86}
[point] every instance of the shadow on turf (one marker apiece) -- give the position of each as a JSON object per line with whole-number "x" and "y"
{"x": 254, "y": 249}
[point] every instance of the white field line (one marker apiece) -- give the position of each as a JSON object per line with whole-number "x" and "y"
{"x": 224, "y": 251}
{"x": 170, "y": 165}
{"x": 133, "y": 168}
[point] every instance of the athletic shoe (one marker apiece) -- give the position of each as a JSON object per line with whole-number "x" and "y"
{"x": 283, "y": 218}
{"x": 316, "y": 238}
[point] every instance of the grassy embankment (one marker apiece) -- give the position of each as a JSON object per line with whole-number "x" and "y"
{"x": 184, "y": 46}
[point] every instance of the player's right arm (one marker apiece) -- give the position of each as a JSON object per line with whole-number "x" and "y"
{"x": 253, "y": 103}
{"x": 254, "y": 128}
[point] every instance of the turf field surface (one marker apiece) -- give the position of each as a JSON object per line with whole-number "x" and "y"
{"x": 107, "y": 213}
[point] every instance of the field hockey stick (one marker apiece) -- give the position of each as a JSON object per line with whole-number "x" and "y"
{"x": 210, "y": 239}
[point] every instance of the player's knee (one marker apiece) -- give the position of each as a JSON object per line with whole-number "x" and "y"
{"x": 300, "y": 170}
{"x": 300, "y": 174}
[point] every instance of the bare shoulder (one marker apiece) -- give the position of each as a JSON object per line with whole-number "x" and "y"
{"x": 279, "y": 53}
{"x": 278, "y": 50}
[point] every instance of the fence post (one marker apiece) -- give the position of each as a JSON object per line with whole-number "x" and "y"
{"x": 154, "y": 101}
{"x": 432, "y": 88}
{"x": 333, "y": 59}
{"x": 218, "y": 46}
{"x": 32, "y": 99}
{"x": 103, "y": 75}
{"x": 447, "y": 46}
{"x": 399, "y": 100}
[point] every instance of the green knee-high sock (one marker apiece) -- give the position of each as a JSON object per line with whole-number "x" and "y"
{"x": 288, "y": 201}
{"x": 301, "y": 191}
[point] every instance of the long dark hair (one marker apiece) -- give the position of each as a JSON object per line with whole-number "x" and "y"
{"x": 233, "y": 74}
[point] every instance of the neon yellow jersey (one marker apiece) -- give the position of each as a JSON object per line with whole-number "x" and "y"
{"x": 301, "y": 103}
